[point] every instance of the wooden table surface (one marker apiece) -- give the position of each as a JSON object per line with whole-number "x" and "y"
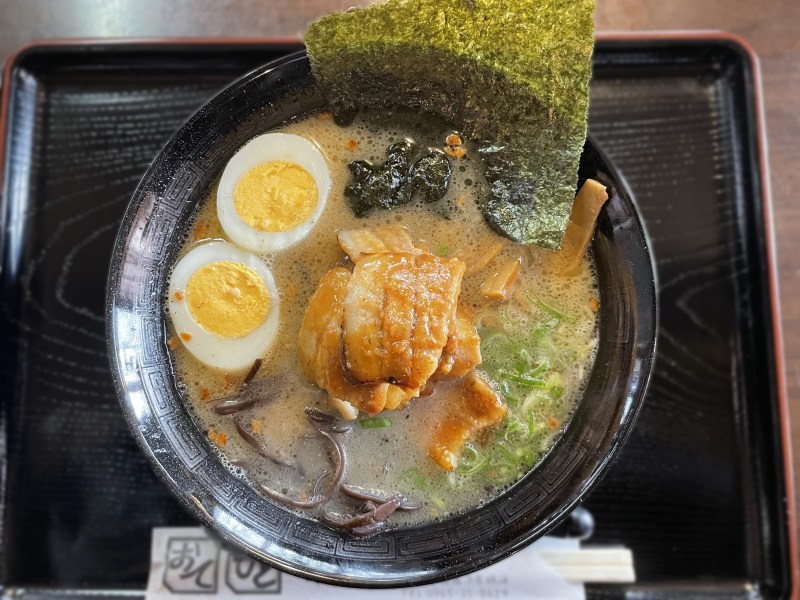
{"x": 770, "y": 26}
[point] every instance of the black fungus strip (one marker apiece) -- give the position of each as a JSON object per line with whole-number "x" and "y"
{"x": 334, "y": 424}
{"x": 318, "y": 416}
{"x": 313, "y": 502}
{"x": 377, "y": 498}
{"x": 320, "y": 479}
{"x": 387, "y": 508}
{"x": 253, "y": 370}
{"x": 340, "y": 428}
{"x": 357, "y": 521}
{"x": 369, "y": 530}
{"x": 259, "y": 447}
{"x": 323, "y": 498}
{"x": 230, "y": 406}
{"x": 369, "y": 522}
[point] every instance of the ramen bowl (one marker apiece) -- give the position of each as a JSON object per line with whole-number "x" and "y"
{"x": 149, "y": 240}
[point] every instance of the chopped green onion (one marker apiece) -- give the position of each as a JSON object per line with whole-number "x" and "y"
{"x": 552, "y": 310}
{"x": 416, "y": 478}
{"x": 443, "y": 250}
{"x": 531, "y": 425}
{"x": 537, "y": 371}
{"x": 520, "y": 366}
{"x": 376, "y": 423}
{"x": 490, "y": 335}
{"x": 471, "y": 461}
{"x": 540, "y": 332}
{"x": 527, "y": 456}
{"x": 501, "y": 472}
{"x": 514, "y": 428}
{"x": 555, "y": 386}
{"x": 469, "y": 454}
{"x": 523, "y": 380}
{"x": 437, "y": 501}
{"x": 507, "y": 395}
{"x": 466, "y": 471}
{"x": 508, "y": 454}
{"x": 530, "y": 375}
{"x": 525, "y": 355}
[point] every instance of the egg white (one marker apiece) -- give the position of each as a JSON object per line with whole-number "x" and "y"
{"x": 226, "y": 354}
{"x": 267, "y": 148}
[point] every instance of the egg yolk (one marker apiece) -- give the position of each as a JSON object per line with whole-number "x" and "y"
{"x": 227, "y": 298}
{"x": 275, "y": 196}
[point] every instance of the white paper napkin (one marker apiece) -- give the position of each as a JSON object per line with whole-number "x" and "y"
{"x": 187, "y": 562}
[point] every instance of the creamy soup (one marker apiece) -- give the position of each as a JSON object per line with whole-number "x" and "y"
{"x": 537, "y": 345}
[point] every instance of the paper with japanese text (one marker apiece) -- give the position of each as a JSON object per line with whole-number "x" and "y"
{"x": 189, "y": 562}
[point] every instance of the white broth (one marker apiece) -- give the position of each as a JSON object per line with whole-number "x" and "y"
{"x": 538, "y": 347}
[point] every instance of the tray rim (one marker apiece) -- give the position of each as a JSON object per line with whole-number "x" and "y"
{"x": 733, "y": 40}
{"x": 749, "y": 55}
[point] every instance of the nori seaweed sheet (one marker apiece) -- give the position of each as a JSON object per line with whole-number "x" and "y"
{"x": 399, "y": 179}
{"x": 512, "y": 75}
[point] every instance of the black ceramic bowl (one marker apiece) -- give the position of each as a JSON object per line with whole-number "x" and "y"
{"x": 148, "y": 242}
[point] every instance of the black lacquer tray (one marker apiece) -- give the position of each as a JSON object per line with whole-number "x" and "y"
{"x": 699, "y": 491}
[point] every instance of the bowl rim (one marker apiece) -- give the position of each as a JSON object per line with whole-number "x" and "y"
{"x": 196, "y": 506}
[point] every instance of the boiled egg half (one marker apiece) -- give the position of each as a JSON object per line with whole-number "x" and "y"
{"x": 272, "y": 192}
{"x": 224, "y": 305}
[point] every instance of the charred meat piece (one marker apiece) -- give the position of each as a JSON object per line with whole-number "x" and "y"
{"x": 321, "y": 354}
{"x": 381, "y": 335}
{"x": 391, "y": 238}
{"x": 480, "y": 407}
{"x": 398, "y": 315}
{"x": 463, "y": 349}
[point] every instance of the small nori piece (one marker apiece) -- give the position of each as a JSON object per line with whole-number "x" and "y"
{"x": 512, "y": 75}
{"x": 430, "y": 175}
{"x": 381, "y": 186}
{"x": 399, "y": 179}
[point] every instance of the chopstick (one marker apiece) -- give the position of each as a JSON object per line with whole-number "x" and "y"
{"x": 592, "y": 565}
